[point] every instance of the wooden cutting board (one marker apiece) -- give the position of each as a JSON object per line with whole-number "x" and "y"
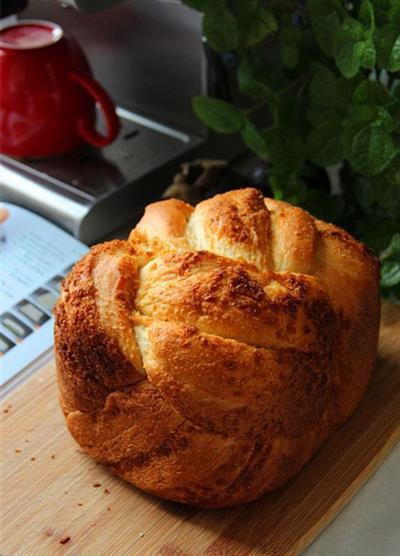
{"x": 56, "y": 500}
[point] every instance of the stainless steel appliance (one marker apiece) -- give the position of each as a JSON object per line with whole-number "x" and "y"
{"x": 150, "y": 57}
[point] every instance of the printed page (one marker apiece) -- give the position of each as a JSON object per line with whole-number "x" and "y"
{"x": 35, "y": 257}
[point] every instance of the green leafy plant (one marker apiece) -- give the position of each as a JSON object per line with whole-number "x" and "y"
{"x": 326, "y": 75}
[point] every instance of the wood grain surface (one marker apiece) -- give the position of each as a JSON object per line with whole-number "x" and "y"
{"x": 56, "y": 500}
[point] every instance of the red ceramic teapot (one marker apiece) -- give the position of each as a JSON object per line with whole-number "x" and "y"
{"x": 47, "y": 93}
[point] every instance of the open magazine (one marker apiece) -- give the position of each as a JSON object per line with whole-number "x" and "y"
{"x": 35, "y": 257}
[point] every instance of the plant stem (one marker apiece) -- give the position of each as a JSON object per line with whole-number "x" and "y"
{"x": 303, "y": 86}
{"x": 303, "y": 79}
{"x": 256, "y": 107}
{"x": 292, "y": 84}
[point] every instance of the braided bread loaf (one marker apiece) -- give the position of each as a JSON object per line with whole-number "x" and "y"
{"x": 206, "y": 359}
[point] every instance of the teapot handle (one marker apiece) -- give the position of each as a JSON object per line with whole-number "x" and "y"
{"x": 85, "y": 125}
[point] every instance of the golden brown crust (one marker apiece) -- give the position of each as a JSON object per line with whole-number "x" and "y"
{"x": 206, "y": 359}
{"x": 235, "y": 300}
{"x": 90, "y": 361}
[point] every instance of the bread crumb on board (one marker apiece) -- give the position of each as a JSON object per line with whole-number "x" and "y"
{"x": 65, "y": 539}
{"x": 17, "y": 450}
{"x": 96, "y": 485}
{"x": 106, "y": 491}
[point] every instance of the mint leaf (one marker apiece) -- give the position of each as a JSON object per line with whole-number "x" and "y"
{"x": 394, "y": 57}
{"x": 390, "y": 274}
{"x": 218, "y": 114}
{"x": 254, "y": 139}
{"x": 387, "y": 40}
{"x": 323, "y": 146}
{"x": 290, "y": 39}
{"x": 392, "y": 251}
{"x": 387, "y": 197}
{"x": 254, "y": 28}
{"x": 286, "y": 149}
{"x": 221, "y": 29}
{"x": 348, "y": 58}
{"x": 352, "y": 30}
{"x": 318, "y": 116}
{"x": 364, "y": 190}
{"x": 368, "y": 55}
{"x": 257, "y": 89}
{"x": 384, "y": 119}
{"x": 371, "y": 92}
{"x": 361, "y": 114}
{"x": 329, "y": 97}
{"x": 290, "y": 55}
{"x": 350, "y": 129}
{"x": 366, "y": 15}
{"x": 323, "y": 87}
{"x": 371, "y": 151}
{"x": 251, "y": 84}
{"x": 377, "y": 116}
{"x": 392, "y": 174}
{"x": 292, "y": 114}
{"x": 326, "y": 26}
{"x": 355, "y": 49}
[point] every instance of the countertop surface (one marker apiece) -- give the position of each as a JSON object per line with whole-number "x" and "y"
{"x": 370, "y": 524}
